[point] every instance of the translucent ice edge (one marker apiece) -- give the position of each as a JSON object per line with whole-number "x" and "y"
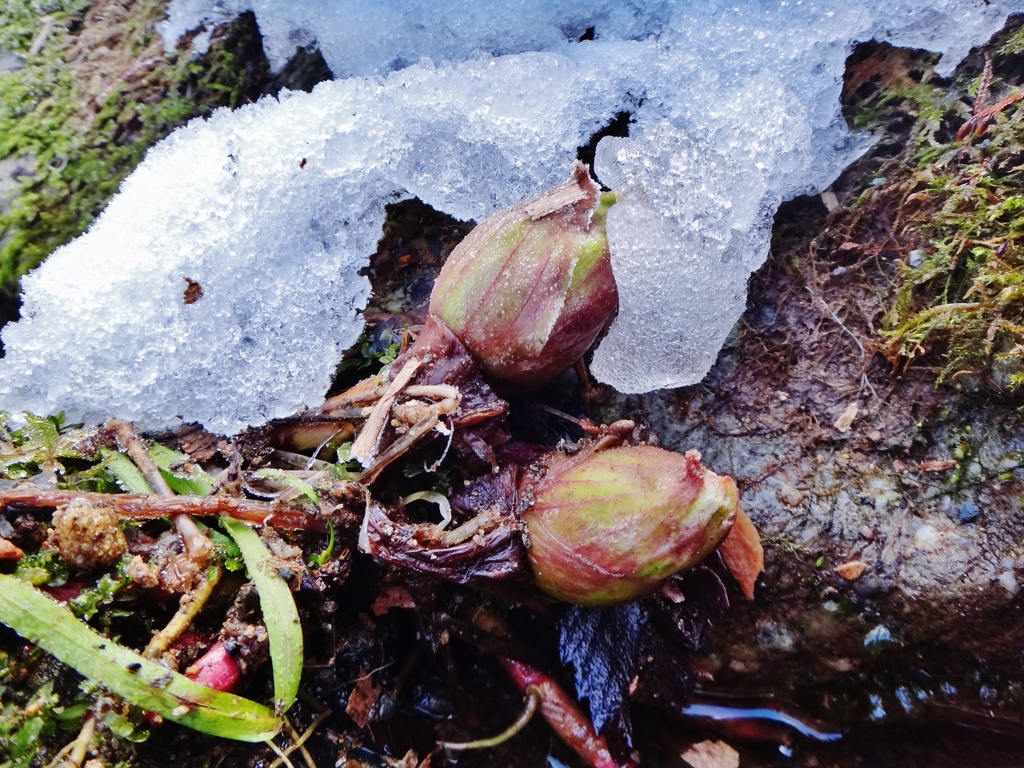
{"x": 275, "y": 208}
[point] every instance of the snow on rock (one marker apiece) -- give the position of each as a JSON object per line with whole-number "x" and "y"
{"x": 469, "y": 106}
{"x": 273, "y": 209}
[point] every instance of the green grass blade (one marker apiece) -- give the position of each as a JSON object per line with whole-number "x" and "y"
{"x": 279, "y": 612}
{"x": 46, "y": 623}
{"x": 124, "y": 471}
{"x": 191, "y": 482}
{"x": 295, "y": 482}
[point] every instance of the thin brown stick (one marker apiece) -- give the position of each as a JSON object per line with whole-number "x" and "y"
{"x": 397, "y": 448}
{"x": 139, "y": 506}
{"x": 130, "y": 443}
{"x": 80, "y": 746}
{"x": 365, "y": 392}
{"x": 299, "y": 743}
{"x": 40, "y": 41}
{"x": 188, "y": 608}
{"x": 983, "y": 87}
{"x": 197, "y": 543}
{"x": 365, "y": 445}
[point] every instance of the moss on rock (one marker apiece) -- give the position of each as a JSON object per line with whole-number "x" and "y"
{"x": 94, "y": 90}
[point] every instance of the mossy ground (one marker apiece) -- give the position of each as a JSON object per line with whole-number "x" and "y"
{"x": 95, "y": 89}
{"x": 954, "y": 212}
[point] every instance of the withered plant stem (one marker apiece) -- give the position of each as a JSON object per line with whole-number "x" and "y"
{"x": 130, "y": 443}
{"x": 81, "y": 748}
{"x": 533, "y": 696}
{"x": 280, "y": 754}
{"x": 365, "y": 446}
{"x": 399, "y": 447}
{"x": 188, "y": 608}
{"x": 300, "y": 742}
{"x": 138, "y": 506}
{"x": 197, "y": 544}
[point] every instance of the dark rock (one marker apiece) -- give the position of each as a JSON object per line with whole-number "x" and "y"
{"x": 968, "y": 512}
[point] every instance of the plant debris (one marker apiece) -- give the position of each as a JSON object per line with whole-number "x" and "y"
{"x": 216, "y": 556}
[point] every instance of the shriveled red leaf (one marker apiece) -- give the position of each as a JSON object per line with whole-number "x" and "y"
{"x": 564, "y": 717}
{"x": 743, "y": 553}
{"x": 9, "y": 551}
{"x": 487, "y": 547}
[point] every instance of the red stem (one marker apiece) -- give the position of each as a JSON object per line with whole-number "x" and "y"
{"x": 564, "y": 717}
{"x": 142, "y": 506}
{"x": 215, "y": 669}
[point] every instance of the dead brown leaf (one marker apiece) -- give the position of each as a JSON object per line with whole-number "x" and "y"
{"x": 712, "y": 754}
{"x": 889, "y": 67}
{"x": 743, "y": 553}
{"x": 393, "y": 596}
{"x": 852, "y": 570}
{"x": 361, "y": 700}
{"x": 845, "y": 420}
{"x": 937, "y": 465}
{"x": 9, "y": 551}
{"x": 409, "y": 760}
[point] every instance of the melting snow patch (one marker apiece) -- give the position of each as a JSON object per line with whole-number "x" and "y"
{"x": 470, "y": 106}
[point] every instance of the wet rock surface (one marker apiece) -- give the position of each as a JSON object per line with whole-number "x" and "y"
{"x": 922, "y": 484}
{"x": 923, "y": 487}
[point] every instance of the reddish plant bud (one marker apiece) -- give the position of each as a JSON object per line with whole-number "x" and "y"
{"x": 531, "y": 287}
{"x": 611, "y": 526}
{"x": 215, "y": 669}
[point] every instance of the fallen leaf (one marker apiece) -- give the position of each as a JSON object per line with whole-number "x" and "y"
{"x": 743, "y": 553}
{"x": 408, "y": 761}
{"x": 846, "y": 418}
{"x": 937, "y": 465}
{"x": 361, "y": 700}
{"x": 9, "y": 551}
{"x": 712, "y": 754}
{"x": 393, "y": 596}
{"x": 852, "y": 570}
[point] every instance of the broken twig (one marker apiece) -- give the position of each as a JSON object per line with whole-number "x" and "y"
{"x": 143, "y": 507}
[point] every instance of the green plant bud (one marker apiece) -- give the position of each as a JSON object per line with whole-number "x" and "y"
{"x": 530, "y": 288}
{"x": 610, "y": 527}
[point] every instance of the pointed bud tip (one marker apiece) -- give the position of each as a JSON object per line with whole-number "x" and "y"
{"x": 529, "y": 290}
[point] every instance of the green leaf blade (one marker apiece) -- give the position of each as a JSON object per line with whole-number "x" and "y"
{"x": 192, "y": 481}
{"x": 124, "y": 471}
{"x": 279, "y": 612}
{"x": 44, "y": 622}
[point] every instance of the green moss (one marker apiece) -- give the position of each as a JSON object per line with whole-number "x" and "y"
{"x": 952, "y": 212}
{"x": 1015, "y": 45}
{"x": 76, "y": 152}
{"x": 965, "y": 299}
